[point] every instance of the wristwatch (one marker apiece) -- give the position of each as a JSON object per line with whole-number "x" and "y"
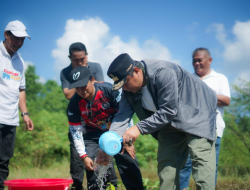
{"x": 25, "y": 113}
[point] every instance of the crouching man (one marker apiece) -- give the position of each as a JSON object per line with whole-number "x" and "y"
{"x": 96, "y": 104}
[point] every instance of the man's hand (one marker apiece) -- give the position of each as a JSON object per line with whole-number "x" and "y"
{"x": 130, "y": 150}
{"x": 88, "y": 162}
{"x": 131, "y": 135}
{"x": 28, "y": 122}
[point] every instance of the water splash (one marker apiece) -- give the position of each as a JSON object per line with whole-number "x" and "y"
{"x": 102, "y": 172}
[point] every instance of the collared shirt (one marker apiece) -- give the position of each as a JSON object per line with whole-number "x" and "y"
{"x": 219, "y": 83}
{"x": 147, "y": 100}
{"x": 12, "y": 79}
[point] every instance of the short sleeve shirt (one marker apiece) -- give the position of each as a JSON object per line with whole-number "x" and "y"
{"x": 95, "y": 69}
{"x": 12, "y": 79}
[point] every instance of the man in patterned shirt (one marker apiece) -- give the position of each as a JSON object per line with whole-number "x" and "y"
{"x": 96, "y": 104}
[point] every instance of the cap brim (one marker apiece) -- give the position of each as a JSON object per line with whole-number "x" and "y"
{"x": 117, "y": 85}
{"x": 20, "y": 34}
{"x": 79, "y": 83}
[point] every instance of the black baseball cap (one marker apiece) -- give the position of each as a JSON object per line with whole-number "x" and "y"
{"x": 77, "y": 46}
{"x": 79, "y": 77}
{"x": 119, "y": 70}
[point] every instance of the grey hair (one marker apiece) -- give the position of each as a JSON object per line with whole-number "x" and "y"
{"x": 138, "y": 65}
{"x": 201, "y": 49}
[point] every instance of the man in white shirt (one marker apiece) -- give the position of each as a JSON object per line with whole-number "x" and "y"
{"x": 12, "y": 93}
{"x": 218, "y": 82}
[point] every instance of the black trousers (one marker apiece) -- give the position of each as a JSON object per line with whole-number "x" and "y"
{"x": 127, "y": 166}
{"x": 7, "y": 143}
{"x": 76, "y": 166}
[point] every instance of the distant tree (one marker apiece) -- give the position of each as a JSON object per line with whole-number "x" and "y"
{"x": 47, "y": 143}
{"x": 240, "y": 111}
{"x": 235, "y": 150}
{"x": 33, "y": 89}
{"x": 33, "y": 86}
{"x": 54, "y": 100}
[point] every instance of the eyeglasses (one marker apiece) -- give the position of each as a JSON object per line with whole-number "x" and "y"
{"x": 90, "y": 114}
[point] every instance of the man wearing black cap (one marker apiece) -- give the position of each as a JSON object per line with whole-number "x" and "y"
{"x": 96, "y": 104}
{"x": 78, "y": 56}
{"x": 12, "y": 93}
{"x": 175, "y": 104}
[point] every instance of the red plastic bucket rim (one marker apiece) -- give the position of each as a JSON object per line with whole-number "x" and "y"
{"x": 37, "y": 182}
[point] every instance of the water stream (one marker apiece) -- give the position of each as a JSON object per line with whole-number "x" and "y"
{"x": 102, "y": 172}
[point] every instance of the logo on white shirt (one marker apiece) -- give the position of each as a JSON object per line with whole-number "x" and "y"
{"x": 9, "y": 75}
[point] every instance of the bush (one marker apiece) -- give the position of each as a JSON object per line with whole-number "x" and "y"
{"x": 46, "y": 144}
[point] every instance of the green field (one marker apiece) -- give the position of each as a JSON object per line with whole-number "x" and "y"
{"x": 44, "y": 152}
{"x": 150, "y": 178}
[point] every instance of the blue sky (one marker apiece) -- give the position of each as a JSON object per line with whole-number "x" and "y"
{"x": 168, "y": 30}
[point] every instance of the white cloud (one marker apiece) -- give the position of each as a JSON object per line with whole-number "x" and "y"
{"x": 192, "y": 26}
{"x": 236, "y": 52}
{"x": 102, "y": 46}
{"x": 26, "y": 64}
{"x": 42, "y": 80}
{"x": 245, "y": 76}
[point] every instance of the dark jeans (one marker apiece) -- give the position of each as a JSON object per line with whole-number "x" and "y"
{"x": 76, "y": 166}
{"x": 187, "y": 169}
{"x": 217, "y": 148}
{"x": 127, "y": 166}
{"x": 7, "y": 143}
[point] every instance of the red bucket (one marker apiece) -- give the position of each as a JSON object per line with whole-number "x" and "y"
{"x": 38, "y": 184}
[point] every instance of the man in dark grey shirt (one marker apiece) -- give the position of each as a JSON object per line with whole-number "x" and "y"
{"x": 175, "y": 106}
{"x": 79, "y": 57}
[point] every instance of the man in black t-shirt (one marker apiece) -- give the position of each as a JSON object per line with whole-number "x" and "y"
{"x": 96, "y": 104}
{"x": 79, "y": 57}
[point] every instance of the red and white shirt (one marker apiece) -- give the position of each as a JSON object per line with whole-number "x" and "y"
{"x": 97, "y": 114}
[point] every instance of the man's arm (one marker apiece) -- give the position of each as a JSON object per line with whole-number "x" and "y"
{"x": 223, "y": 100}
{"x": 224, "y": 92}
{"x": 22, "y": 105}
{"x": 167, "y": 90}
{"x": 166, "y": 86}
{"x": 122, "y": 118}
{"x": 69, "y": 93}
{"x": 65, "y": 86}
{"x": 76, "y": 131}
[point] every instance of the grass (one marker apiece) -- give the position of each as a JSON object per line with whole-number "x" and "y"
{"x": 150, "y": 178}
{"x": 61, "y": 170}
{"x": 228, "y": 183}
